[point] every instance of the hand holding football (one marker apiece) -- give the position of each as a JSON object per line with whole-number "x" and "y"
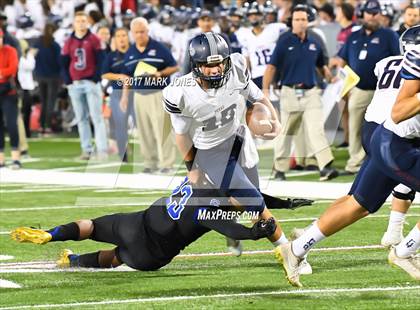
{"x": 258, "y": 119}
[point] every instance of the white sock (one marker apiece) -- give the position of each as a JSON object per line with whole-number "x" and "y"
{"x": 282, "y": 240}
{"x": 410, "y": 244}
{"x": 304, "y": 243}
{"x": 396, "y": 221}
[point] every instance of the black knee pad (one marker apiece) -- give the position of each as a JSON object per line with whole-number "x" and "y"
{"x": 404, "y": 196}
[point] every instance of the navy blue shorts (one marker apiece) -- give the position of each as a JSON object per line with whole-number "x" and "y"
{"x": 367, "y": 131}
{"x": 399, "y": 157}
{"x": 392, "y": 160}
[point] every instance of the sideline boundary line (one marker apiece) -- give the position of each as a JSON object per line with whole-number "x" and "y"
{"x": 345, "y": 291}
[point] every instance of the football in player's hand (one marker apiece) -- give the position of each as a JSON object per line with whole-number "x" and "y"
{"x": 258, "y": 118}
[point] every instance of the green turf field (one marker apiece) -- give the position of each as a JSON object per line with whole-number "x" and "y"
{"x": 354, "y": 277}
{"x": 62, "y": 154}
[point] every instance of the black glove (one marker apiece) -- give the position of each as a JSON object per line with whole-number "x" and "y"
{"x": 264, "y": 228}
{"x": 277, "y": 203}
{"x": 299, "y": 202}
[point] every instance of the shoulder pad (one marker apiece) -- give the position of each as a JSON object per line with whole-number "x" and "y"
{"x": 411, "y": 65}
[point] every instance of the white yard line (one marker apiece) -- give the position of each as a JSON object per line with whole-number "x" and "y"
{"x": 50, "y": 266}
{"x": 90, "y": 166}
{"x": 6, "y": 257}
{"x": 313, "y": 190}
{"x": 326, "y": 291}
{"x": 46, "y": 189}
{"x": 107, "y": 180}
{"x": 68, "y": 168}
{"x": 122, "y": 204}
{"x": 8, "y": 284}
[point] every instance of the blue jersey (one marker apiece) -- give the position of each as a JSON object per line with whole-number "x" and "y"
{"x": 114, "y": 63}
{"x": 156, "y": 55}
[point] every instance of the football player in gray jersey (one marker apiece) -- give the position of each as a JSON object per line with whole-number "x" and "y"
{"x": 206, "y": 108}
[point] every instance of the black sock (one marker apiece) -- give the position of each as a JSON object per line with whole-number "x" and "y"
{"x": 70, "y": 231}
{"x": 89, "y": 260}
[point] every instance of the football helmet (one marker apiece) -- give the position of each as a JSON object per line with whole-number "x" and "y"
{"x": 409, "y": 39}
{"x": 208, "y": 49}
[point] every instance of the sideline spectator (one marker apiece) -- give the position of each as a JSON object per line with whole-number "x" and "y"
{"x": 329, "y": 27}
{"x": 8, "y": 102}
{"x": 150, "y": 60}
{"x": 297, "y": 57}
{"x": 47, "y": 74}
{"x": 344, "y": 17}
{"x": 363, "y": 49}
{"x": 82, "y": 58}
{"x": 104, "y": 34}
{"x": 112, "y": 70}
{"x": 411, "y": 18}
{"x": 26, "y": 82}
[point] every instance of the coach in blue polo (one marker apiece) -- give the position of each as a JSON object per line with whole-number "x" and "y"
{"x": 362, "y": 50}
{"x": 297, "y": 57}
{"x": 149, "y": 63}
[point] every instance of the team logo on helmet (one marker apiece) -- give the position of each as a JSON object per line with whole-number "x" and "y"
{"x": 192, "y": 51}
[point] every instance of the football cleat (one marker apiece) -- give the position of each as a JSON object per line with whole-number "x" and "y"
{"x": 392, "y": 238}
{"x": 234, "y": 246}
{"x": 27, "y": 234}
{"x": 304, "y": 267}
{"x": 64, "y": 259}
{"x": 411, "y": 264}
{"x": 290, "y": 263}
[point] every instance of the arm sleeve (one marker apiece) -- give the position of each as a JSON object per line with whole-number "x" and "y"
{"x": 57, "y": 53}
{"x": 172, "y": 100}
{"x": 252, "y": 93}
{"x": 106, "y": 66}
{"x": 27, "y": 63}
{"x": 395, "y": 44}
{"x": 275, "y": 58}
{"x": 65, "y": 72}
{"x": 319, "y": 37}
{"x": 100, "y": 57}
{"x": 12, "y": 65}
{"x": 128, "y": 69}
{"x": 343, "y": 52}
{"x": 229, "y": 229}
{"x": 320, "y": 61}
{"x": 169, "y": 59}
{"x": 181, "y": 124}
{"x": 65, "y": 64}
{"x": 411, "y": 65}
